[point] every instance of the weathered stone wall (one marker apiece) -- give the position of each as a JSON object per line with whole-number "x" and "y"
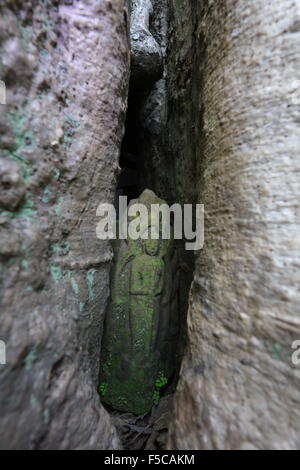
{"x": 66, "y": 67}
{"x": 170, "y": 112}
{"x": 238, "y": 388}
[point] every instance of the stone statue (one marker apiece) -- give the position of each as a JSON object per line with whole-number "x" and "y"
{"x": 146, "y": 285}
{"x": 142, "y": 321}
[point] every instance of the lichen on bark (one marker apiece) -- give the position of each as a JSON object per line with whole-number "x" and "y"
{"x": 59, "y": 147}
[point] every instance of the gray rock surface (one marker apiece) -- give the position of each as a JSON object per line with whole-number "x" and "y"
{"x": 12, "y": 185}
{"x": 66, "y": 67}
{"x": 238, "y": 387}
{"x": 146, "y": 54}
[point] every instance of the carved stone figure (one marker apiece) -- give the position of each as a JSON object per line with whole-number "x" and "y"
{"x": 146, "y": 285}
{"x": 142, "y": 322}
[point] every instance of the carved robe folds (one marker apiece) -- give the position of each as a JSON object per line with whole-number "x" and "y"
{"x": 142, "y": 323}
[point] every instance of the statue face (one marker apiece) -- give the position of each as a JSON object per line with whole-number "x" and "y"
{"x": 151, "y": 247}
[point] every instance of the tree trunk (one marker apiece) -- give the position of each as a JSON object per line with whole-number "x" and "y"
{"x": 65, "y": 65}
{"x": 238, "y": 387}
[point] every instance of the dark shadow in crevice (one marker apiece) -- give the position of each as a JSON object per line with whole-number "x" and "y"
{"x": 131, "y": 160}
{"x": 150, "y": 430}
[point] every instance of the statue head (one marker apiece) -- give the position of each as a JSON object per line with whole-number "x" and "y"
{"x": 151, "y": 245}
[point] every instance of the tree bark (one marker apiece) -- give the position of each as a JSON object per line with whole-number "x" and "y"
{"x": 66, "y": 67}
{"x": 238, "y": 384}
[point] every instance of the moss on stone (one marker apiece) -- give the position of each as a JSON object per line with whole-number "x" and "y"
{"x": 135, "y": 343}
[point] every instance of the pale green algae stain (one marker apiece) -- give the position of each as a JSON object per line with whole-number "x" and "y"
{"x": 72, "y": 121}
{"x": 76, "y": 292}
{"x": 90, "y": 282}
{"x": 23, "y": 140}
{"x": 24, "y": 211}
{"x": 56, "y": 173}
{"x": 46, "y": 416}
{"x": 24, "y": 264}
{"x": 30, "y": 358}
{"x": 60, "y": 248}
{"x": 274, "y": 349}
{"x": 57, "y": 207}
{"x": 67, "y": 139}
{"x": 56, "y": 248}
{"x": 75, "y": 287}
{"x": 17, "y": 120}
{"x": 26, "y": 34}
{"x": 33, "y": 400}
{"x": 81, "y": 306}
{"x": 56, "y": 273}
{"x": 46, "y": 196}
{"x": 46, "y": 21}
